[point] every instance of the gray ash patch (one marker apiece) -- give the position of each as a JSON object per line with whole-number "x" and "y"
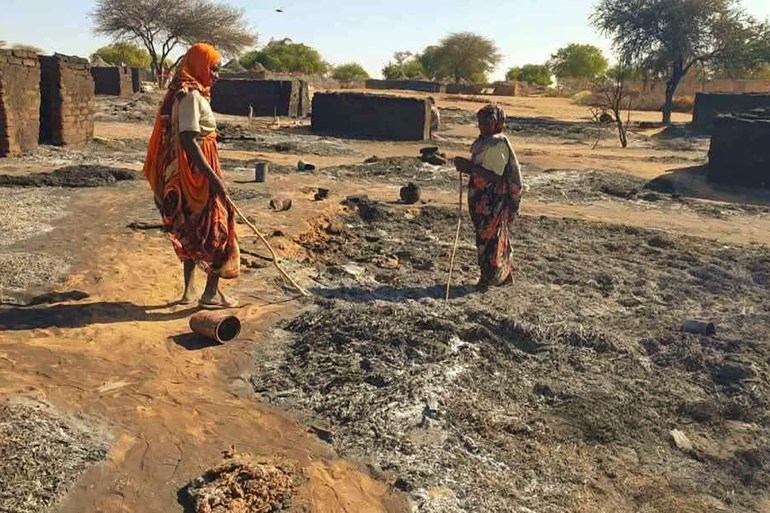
{"x": 523, "y": 396}
{"x": 42, "y": 455}
{"x": 398, "y": 171}
{"x": 72, "y": 176}
{"x": 238, "y": 137}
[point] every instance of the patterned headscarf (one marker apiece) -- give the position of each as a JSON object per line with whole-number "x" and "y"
{"x": 493, "y": 113}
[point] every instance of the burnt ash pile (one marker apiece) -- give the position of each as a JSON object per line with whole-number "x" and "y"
{"x": 558, "y": 394}
{"x": 42, "y": 454}
{"x": 72, "y": 177}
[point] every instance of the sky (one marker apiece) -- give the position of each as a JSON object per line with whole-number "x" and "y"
{"x": 363, "y": 31}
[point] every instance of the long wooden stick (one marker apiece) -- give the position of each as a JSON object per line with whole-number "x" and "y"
{"x": 276, "y": 261}
{"x": 457, "y": 239}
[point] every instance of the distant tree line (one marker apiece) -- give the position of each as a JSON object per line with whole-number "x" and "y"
{"x": 652, "y": 39}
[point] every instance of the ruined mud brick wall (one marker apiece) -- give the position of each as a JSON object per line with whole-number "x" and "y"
{"x": 266, "y": 97}
{"x": 371, "y": 116}
{"x": 19, "y": 102}
{"x": 66, "y": 100}
{"x": 709, "y": 105}
{"x": 113, "y": 81}
{"x": 406, "y": 85}
{"x": 139, "y": 75}
{"x": 740, "y": 149}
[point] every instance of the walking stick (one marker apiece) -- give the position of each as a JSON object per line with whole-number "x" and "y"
{"x": 457, "y": 238}
{"x": 276, "y": 262}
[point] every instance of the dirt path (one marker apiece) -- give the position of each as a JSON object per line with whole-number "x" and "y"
{"x": 171, "y": 406}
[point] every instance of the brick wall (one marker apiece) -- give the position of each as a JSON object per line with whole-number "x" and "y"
{"x": 67, "y": 100}
{"x": 740, "y": 153}
{"x": 406, "y": 85}
{"x": 709, "y": 105}
{"x": 19, "y": 102}
{"x": 113, "y": 81}
{"x": 266, "y": 97}
{"x": 371, "y": 116}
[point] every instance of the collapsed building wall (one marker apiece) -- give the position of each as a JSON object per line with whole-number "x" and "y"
{"x": 19, "y": 102}
{"x": 740, "y": 149}
{"x": 66, "y": 100}
{"x": 139, "y": 75}
{"x": 266, "y": 97}
{"x": 371, "y": 116}
{"x": 709, "y": 105}
{"x": 113, "y": 81}
{"x": 406, "y": 85}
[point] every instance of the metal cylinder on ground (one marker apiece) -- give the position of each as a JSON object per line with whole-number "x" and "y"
{"x": 260, "y": 172}
{"x": 699, "y": 327}
{"x": 219, "y": 326}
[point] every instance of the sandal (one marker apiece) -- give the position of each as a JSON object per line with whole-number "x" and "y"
{"x": 223, "y": 302}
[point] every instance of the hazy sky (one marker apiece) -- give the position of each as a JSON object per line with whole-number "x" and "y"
{"x": 365, "y": 31}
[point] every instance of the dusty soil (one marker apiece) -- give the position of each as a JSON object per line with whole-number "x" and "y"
{"x": 557, "y": 394}
{"x": 42, "y": 454}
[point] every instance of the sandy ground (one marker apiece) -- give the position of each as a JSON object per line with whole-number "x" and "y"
{"x": 110, "y": 346}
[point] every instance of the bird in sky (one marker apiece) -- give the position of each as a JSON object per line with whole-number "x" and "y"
{"x": 279, "y": 10}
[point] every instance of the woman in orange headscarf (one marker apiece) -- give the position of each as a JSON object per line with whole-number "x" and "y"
{"x": 182, "y": 166}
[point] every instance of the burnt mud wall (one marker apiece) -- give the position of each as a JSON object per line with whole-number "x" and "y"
{"x": 371, "y": 116}
{"x": 113, "y": 81}
{"x": 139, "y": 75}
{"x": 66, "y": 100}
{"x": 740, "y": 150}
{"x": 709, "y": 105}
{"x": 19, "y": 102}
{"x": 266, "y": 97}
{"x": 406, "y": 85}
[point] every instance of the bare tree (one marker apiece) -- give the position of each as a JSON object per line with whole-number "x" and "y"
{"x": 162, "y": 26}
{"x": 614, "y": 103}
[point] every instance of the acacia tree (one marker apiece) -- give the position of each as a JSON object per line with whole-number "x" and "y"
{"x": 162, "y": 26}
{"x": 403, "y": 65}
{"x": 123, "y": 53}
{"x": 286, "y": 56}
{"x": 672, "y": 36}
{"x": 461, "y": 56}
{"x": 578, "y": 61}
{"x": 538, "y": 74}
{"x": 350, "y": 72}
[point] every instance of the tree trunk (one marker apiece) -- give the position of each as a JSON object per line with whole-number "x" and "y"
{"x": 673, "y": 82}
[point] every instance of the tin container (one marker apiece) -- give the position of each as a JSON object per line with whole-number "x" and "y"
{"x": 699, "y": 327}
{"x": 219, "y": 326}
{"x": 260, "y": 172}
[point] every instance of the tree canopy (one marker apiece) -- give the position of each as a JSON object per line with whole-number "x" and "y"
{"x": 288, "y": 57}
{"x": 124, "y": 53}
{"x": 578, "y": 61}
{"x": 403, "y": 65}
{"x": 461, "y": 56}
{"x": 350, "y": 72}
{"x": 538, "y": 74}
{"x": 161, "y": 26}
{"x": 673, "y": 36}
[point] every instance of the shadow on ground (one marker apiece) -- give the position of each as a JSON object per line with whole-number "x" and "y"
{"x": 81, "y": 315}
{"x": 692, "y": 182}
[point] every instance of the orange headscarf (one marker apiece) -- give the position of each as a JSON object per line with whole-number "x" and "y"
{"x": 195, "y": 70}
{"x": 194, "y": 73}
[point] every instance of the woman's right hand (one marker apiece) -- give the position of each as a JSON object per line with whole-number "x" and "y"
{"x": 462, "y": 164}
{"x": 216, "y": 185}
